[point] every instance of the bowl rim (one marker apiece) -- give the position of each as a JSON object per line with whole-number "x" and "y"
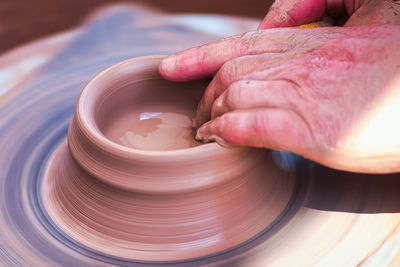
{"x": 88, "y": 125}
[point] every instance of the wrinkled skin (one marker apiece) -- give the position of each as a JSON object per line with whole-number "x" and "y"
{"x": 330, "y": 94}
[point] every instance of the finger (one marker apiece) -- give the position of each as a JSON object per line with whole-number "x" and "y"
{"x": 280, "y": 129}
{"x": 203, "y": 112}
{"x": 232, "y": 71}
{"x": 288, "y": 13}
{"x": 204, "y": 61}
{"x": 352, "y": 6}
{"x": 252, "y": 94}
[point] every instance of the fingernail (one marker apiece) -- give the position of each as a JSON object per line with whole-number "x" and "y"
{"x": 169, "y": 64}
{"x": 206, "y": 136}
{"x": 201, "y": 133}
{"x": 204, "y": 132}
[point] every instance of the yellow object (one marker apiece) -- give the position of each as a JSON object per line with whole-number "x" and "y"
{"x": 310, "y": 25}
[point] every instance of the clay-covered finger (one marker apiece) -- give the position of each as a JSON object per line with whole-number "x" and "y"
{"x": 281, "y": 129}
{"x": 204, "y": 61}
{"x": 203, "y": 112}
{"x": 252, "y": 94}
{"x": 286, "y": 13}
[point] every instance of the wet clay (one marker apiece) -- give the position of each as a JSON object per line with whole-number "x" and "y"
{"x": 151, "y": 114}
{"x": 132, "y": 182}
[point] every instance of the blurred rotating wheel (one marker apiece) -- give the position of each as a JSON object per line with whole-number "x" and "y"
{"x": 332, "y": 218}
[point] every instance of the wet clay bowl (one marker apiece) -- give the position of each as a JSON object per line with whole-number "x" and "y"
{"x": 132, "y": 182}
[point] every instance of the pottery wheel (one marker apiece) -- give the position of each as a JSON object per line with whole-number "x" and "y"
{"x": 332, "y": 218}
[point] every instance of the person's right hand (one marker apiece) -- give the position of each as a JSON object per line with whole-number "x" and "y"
{"x": 288, "y": 13}
{"x": 330, "y": 94}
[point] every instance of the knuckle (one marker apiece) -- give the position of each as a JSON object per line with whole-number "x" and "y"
{"x": 261, "y": 122}
{"x": 226, "y": 73}
{"x": 235, "y": 94}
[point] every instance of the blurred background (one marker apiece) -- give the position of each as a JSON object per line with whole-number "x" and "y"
{"x": 22, "y": 21}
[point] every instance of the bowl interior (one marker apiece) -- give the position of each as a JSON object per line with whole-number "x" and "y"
{"x": 150, "y": 113}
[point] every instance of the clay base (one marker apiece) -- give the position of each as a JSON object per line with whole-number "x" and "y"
{"x": 163, "y": 227}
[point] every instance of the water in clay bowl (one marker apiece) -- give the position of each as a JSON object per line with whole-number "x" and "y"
{"x": 132, "y": 182}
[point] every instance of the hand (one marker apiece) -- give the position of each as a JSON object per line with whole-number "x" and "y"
{"x": 288, "y": 13}
{"x": 329, "y": 94}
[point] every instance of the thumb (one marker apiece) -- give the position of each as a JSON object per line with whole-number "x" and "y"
{"x": 288, "y": 13}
